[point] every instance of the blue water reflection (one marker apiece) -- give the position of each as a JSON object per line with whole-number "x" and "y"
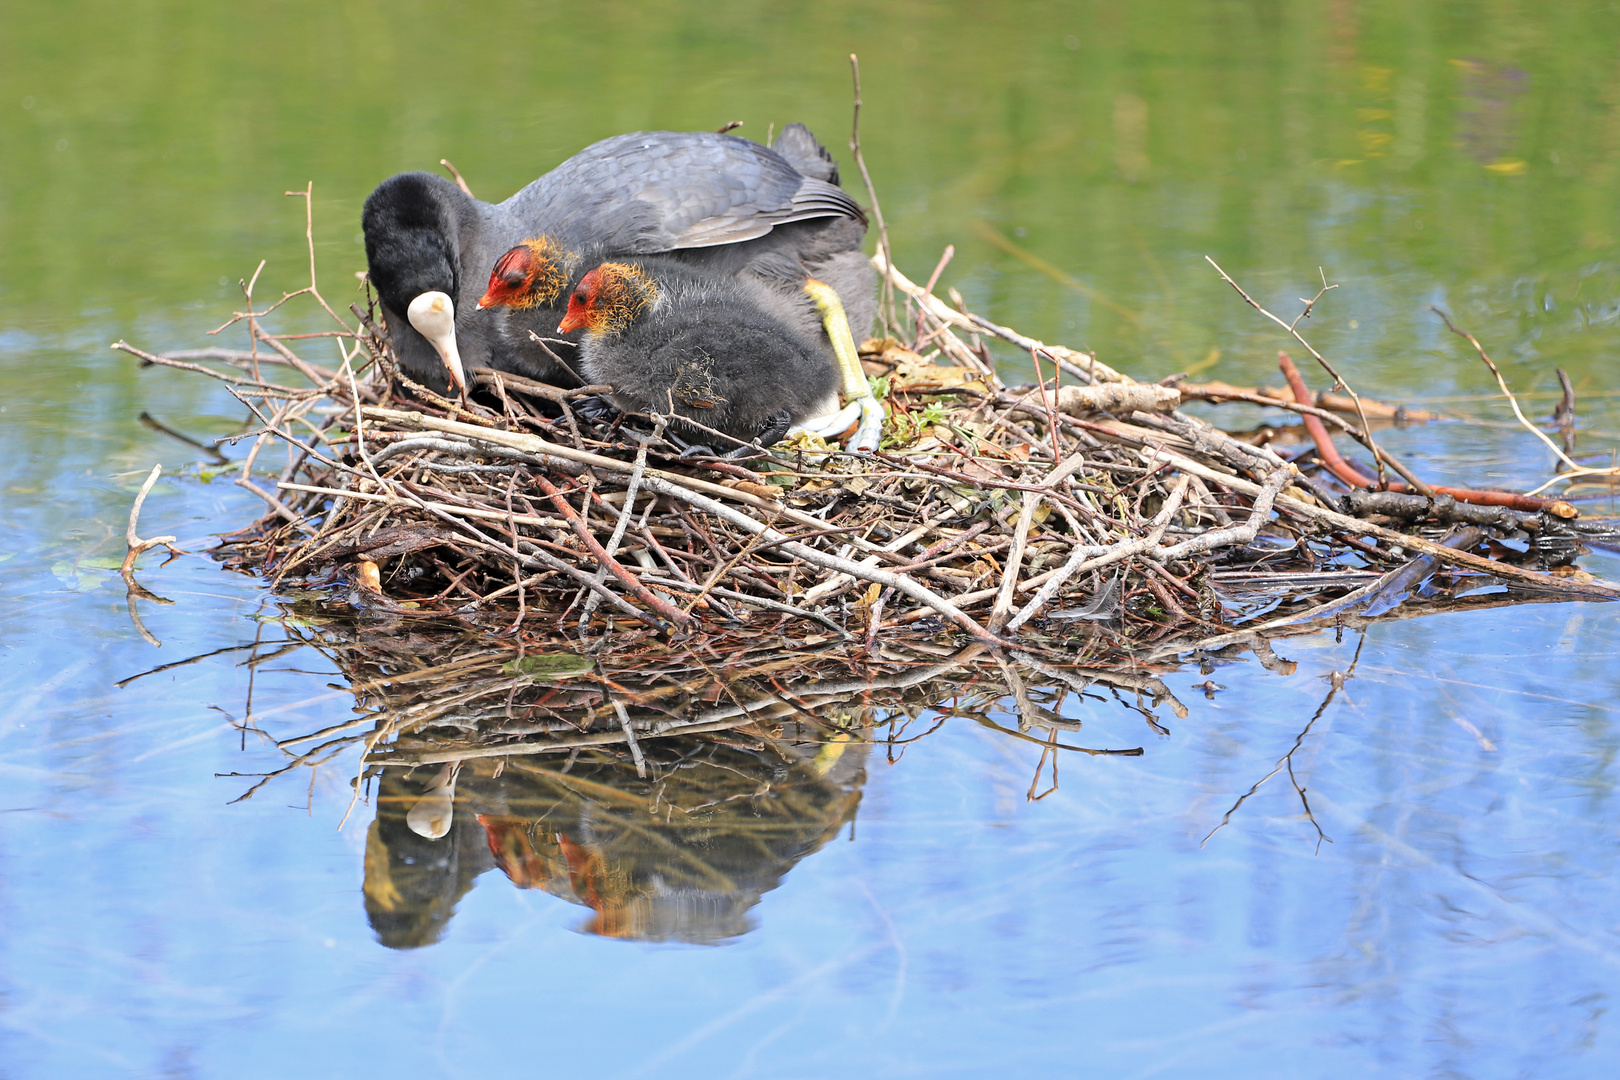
{"x": 1460, "y": 920}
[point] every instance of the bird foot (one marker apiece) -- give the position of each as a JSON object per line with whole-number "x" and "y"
{"x": 596, "y": 407}
{"x": 870, "y": 431}
{"x": 705, "y": 450}
{"x": 775, "y": 429}
{"x": 691, "y": 449}
{"x": 832, "y": 423}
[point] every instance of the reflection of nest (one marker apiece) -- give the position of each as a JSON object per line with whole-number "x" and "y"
{"x": 669, "y": 792}
{"x": 490, "y": 702}
{"x": 669, "y": 795}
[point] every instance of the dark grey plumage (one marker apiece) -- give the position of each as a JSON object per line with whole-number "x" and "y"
{"x": 826, "y": 248}
{"x": 659, "y": 191}
{"x": 634, "y": 194}
{"x": 800, "y": 149}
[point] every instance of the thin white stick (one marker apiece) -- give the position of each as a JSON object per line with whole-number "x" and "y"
{"x": 1513, "y": 401}
{"x": 1078, "y": 560}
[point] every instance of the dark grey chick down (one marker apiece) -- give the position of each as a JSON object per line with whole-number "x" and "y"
{"x": 737, "y": 355}
{"x": 633, "y": 194}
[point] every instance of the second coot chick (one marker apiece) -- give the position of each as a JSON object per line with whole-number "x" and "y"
{"x": 734, "y": 354}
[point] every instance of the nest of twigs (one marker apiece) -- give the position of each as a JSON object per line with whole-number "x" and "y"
{"x": 1084, "y": 501}
{"x": 511, "y": 583}
{"x": 986, "y": 508}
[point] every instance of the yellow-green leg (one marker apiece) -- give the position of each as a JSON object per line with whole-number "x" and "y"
{"x": 856, "y": 389}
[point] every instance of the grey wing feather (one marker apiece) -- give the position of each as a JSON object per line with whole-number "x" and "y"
{"x": 817, "y": 198}
{"x": 640, "y": 195}
{"x": 715, "y": 231}
{"x": 813, "y": 199}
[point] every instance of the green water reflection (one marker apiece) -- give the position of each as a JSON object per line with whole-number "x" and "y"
{"x": 1415, "y": 150}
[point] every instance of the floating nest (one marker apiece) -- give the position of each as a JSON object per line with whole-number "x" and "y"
{"x": 1085, "y": 520}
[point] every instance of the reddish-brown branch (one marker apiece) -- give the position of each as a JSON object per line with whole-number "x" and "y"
{"x": 614, "y": 567}
{"x": 1354, "y": 478}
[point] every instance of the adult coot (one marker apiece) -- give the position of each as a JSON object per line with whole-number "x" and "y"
{"x": 801, "y": 277}
{"x": 430, "y": 245}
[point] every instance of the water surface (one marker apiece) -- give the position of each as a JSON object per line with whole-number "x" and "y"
{"x": 917, "y": 918}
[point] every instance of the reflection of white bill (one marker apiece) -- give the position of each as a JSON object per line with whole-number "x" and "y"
{"x": 435, "y": 810}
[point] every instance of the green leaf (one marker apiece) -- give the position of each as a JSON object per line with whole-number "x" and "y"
{"x": 556, "y": 665}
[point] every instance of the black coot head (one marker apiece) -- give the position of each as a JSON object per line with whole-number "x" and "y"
{"x": 410, "y": 237}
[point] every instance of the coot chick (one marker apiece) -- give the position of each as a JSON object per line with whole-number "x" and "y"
{"x": 632, "y": 194}
{"x": 810, "y": 276}
{"x": 732, "y": 354}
